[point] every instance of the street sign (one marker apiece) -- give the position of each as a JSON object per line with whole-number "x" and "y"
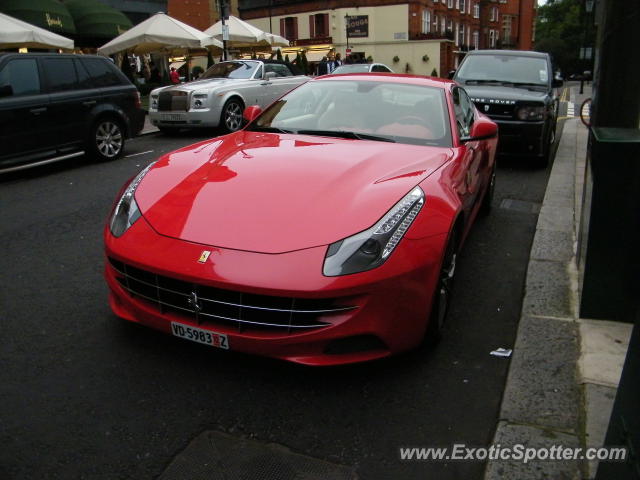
{"x": 225, "y": 32}
{"x": 348, "y": 51}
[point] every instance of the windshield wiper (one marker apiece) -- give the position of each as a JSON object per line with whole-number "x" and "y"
{"x": 527, "y": 85}
{"x": 478, "y": 81}
{"x": 346, "y": 134}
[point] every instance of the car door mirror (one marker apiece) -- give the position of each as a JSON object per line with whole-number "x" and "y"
{"x": 250, "y": 113}
{"x": 482, "y": 129}
{"x": 6, "y": 90}
{"x": 269, "y": 75}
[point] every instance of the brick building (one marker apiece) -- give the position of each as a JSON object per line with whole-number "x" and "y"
{"x": 415, "y": 36}
{"x": 200, "y": 14}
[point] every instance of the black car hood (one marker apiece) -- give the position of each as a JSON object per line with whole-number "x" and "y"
{"x": 493, "y": 92}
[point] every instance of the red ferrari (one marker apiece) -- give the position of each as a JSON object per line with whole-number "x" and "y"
{"x": 324, "y": 233}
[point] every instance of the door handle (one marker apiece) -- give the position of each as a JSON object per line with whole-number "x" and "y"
{"x": 89, "y": 103}
{"x": 38, "y": 111}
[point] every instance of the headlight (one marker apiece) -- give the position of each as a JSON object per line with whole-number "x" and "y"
{"x": 531, "y": 113}
{"x": 127, "y": 212}
{"x": 199, "y": 100}
{"x": 371, "y": 248}
{"x": 154, "y": 102}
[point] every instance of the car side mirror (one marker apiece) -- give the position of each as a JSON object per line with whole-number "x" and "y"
{"x": 482, "y": 129}
{"x": 6, "y": 90}
{"x": 557, "y": 83}
{"x": 451, "y": 74}
{"x": 269, "y": 75}
{"x": 250, "y": 113}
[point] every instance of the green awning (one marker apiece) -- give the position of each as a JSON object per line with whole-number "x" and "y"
{"x": 48, "y": 14}
{"x": 97, "y": 20}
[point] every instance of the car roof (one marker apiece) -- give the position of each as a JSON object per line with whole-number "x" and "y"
{"x": 49, "y": 54}
{"x": 389, "y": 77}
{"x": 519, "y": 53}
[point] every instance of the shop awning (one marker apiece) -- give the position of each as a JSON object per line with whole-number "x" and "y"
{"x": 48, "y": 14}
{"x": 97, "y": 20}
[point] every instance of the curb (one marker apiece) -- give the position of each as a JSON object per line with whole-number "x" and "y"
{"x": 542, "y": 403}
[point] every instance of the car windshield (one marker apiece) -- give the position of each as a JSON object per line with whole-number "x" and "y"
{"x": 503, "y": 69}
{"x": 361, "y": 109}
{"x": 358, "y": 68}
{"x": 231, "y": 70}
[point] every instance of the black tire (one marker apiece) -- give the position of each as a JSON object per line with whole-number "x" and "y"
{"x": 169, "y": 130}
{"x": 231, "y": 119}
{"x": 543, "y": 161}
{"x": 442, "y": 294}
{"x": 487, "y": 200}
{"x": 107, "y": 139}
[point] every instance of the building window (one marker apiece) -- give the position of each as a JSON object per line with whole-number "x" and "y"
{"x": 476, "y": 10}
{"x": 494, "y": 14}
{"x": 435, "y": 23}
{"x": 492, "y": 38}
{"x": 476, "y": 39}
{"x": 506, "y": 29}
{"x": 289, "y": 28}
{"x": 426, "y": 21}
{"x": 443, "y": 24}
{"x": 450, "y": 4}
{"x": 319, "y": 25}
{"x": 462, "y": 6}
{"x": 461, "y": 34}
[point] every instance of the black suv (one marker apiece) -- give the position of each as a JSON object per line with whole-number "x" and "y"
{"x": 56, "y": 106}
{"x": 516, "y": 90}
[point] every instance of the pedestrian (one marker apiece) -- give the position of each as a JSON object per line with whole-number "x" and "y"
{"x": 323, "y": 67}
{"x": 174, "y": 76}
{"x": 331, "y": 64}
{"x": 338, "y": 60}
{"x": 154, "y": 73}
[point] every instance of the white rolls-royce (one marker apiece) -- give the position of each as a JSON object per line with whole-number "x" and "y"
{"x": 220, "y": 95}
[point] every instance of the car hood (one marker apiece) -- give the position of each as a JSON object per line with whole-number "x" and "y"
{"x": 504, "y": 93}
{"x": 201, "y": 84}
{"x": 271, "y": 193}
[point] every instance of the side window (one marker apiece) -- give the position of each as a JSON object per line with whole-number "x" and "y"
{"x": 463, "y": 111}
{"x": 84, "y": 80}
{"x": 278, "y": 69}
{"x": 22, "y": 76}
{"x": 61, "y": 74}
{"x": 102, "y": 72}
{"x": 259, "y": 74}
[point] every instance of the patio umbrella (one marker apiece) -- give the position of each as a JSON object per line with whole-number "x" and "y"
{"x": 96, "y": 23}
{"x": 48, "y": 14}
{"x": 15, "y": 33}
{"x": 241, "y": 33}
{"x": 160, "y": 33}
{"x": 276, "y": 40}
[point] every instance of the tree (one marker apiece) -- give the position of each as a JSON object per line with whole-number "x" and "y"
{"x": 305, "y": 63}
{"x": 278, "y": 55}
{"x": 560, "y": 31}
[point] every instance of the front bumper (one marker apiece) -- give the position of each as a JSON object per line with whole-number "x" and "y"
{"x": 392, "y": 302}
{"x": 201, "y": 118}
{"x": 522, "y": 138}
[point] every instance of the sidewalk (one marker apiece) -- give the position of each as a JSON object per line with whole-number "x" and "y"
{"x": 564, "y": 371}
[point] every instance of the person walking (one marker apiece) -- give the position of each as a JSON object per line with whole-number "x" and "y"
{"x": 323, "y": 67}
{"x": 174, "y": 76}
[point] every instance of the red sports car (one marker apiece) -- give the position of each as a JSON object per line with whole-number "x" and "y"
{"x": 324, "y": 233}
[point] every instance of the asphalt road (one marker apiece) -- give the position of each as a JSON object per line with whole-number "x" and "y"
{"x": 85, "y": 395}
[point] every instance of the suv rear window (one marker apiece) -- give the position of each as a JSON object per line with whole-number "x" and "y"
{"x": 504, "y": 68}
{"x": 102, "y": 72}
{"x": 22, "y": 76}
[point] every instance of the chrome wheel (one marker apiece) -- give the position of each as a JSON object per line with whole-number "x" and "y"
{"x": 109, "y": 139}
{"x": 232, "y": 116}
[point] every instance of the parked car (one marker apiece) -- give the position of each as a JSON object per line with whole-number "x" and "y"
{"x": 362, "y": 68}
{"x": 516, "y": 90}
{"x": 57, "y": 106}
{"x": 323, "y": 233}
{"x": 220, "y": 95}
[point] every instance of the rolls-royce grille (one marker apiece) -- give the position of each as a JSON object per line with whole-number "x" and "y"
{"x": 173, "y": 101}
{"x": 213, "y": 305}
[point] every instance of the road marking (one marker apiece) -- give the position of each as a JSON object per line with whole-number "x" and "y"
{"x": 136, "y": 154}
{"x": 571, "y": 109}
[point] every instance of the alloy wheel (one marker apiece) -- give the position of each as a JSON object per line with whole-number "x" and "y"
{"x": 109, "y": 139}
{"x": 233, "y": 116}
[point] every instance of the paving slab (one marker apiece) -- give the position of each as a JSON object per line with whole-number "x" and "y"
{"x": 603, "y": 346}
{"x": 548, "y": 290}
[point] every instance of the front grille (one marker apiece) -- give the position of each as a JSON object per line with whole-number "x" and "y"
{"x": 210, "y": 305}
{"x": 496, "y": 111}
{"x": 173, "y": 101}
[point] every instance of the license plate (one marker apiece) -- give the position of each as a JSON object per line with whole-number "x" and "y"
{"x": 172, "y": 117}
{"x": 200, "y": 335}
